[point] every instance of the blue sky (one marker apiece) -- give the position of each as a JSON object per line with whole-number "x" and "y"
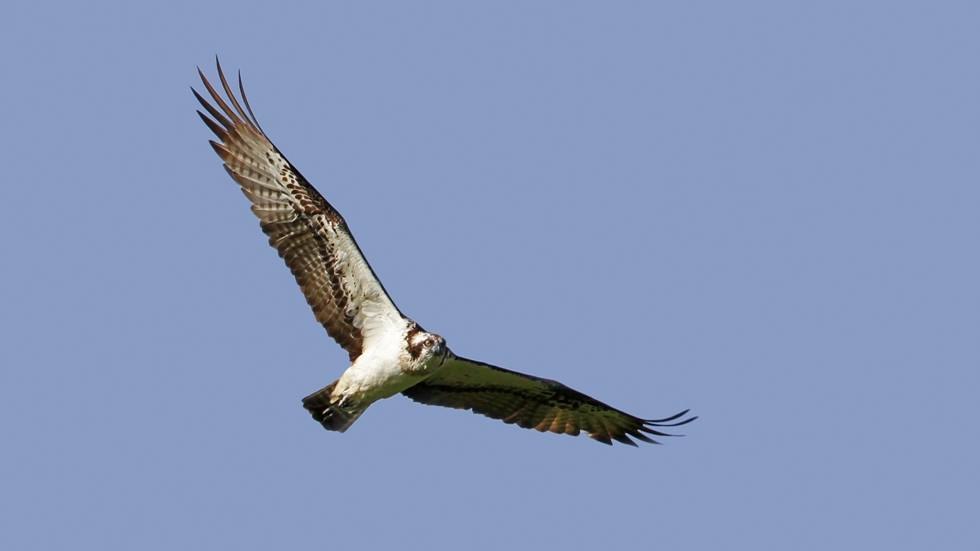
{"x": 763, "y": 211}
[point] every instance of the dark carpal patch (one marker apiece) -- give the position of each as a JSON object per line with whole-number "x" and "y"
{"x": 339, "y": 284}
{"x": 307, "y": 231}
{"x": 535, "y": 403}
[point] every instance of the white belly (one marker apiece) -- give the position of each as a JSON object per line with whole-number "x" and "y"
{"x": 378, "y": 373}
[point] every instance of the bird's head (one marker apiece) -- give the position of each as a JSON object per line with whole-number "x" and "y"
{"x": 427, "y": 350}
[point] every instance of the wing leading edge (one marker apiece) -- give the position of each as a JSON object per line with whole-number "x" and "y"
{"x": 533, "y": 402}
{"x": 309, "y": 234}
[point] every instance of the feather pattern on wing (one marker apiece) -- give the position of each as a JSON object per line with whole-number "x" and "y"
{"x": 310, "y": 235}
{"x": 533, "y": 402}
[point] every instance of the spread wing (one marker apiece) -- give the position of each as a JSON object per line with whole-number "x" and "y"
{"x": 310, "y": 235}
{"x": 532, "y": 402}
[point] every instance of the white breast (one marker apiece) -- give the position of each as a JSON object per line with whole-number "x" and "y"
{"x": 379, "y": 371}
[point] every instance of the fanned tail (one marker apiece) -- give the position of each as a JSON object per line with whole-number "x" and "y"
{"x": 328, "y": 414}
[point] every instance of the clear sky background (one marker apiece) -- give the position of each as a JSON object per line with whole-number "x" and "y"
{"x": 763, "y": 211}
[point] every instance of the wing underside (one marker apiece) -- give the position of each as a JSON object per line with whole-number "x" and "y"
{"x": 533, "y": 402}
{"x": 309, "y": 234}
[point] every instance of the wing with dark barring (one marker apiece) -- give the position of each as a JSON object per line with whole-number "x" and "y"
{"x": 535, "y": 403}
{"x": 310, "y": 235}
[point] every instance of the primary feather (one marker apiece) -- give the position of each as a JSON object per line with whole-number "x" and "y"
{"x": 390, "y": 353}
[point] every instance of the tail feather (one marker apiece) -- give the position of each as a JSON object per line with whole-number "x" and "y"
{"x": 322, "y": 408}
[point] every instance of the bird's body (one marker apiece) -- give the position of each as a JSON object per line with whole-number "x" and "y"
{"x": 389, "y": 352}
{"x": 397, "y": 361}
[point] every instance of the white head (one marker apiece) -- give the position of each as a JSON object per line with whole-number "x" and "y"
{"x": 426, "y": 350}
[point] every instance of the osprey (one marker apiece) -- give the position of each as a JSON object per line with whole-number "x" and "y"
{"x": 389, "y": 352}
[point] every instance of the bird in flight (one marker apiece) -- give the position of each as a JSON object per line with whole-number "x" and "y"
{"x": 389, "y": 352}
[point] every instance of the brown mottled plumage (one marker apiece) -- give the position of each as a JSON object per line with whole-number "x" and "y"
{"x": 533, "y": 403}
{"x": 300, "y": 223}
{"x": 390, "y": 353}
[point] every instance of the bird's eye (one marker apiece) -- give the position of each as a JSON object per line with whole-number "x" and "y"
{"x": 429, "y": 342}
